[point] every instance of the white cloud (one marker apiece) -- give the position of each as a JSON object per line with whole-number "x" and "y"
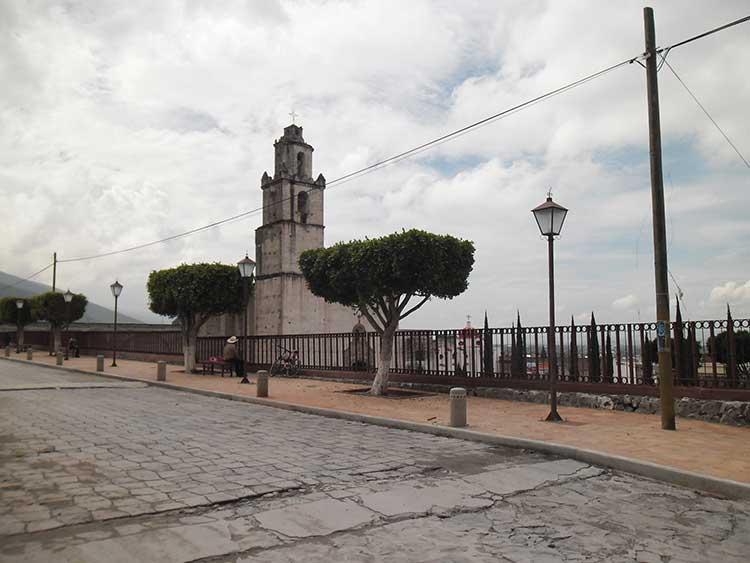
{"x": 731, "y": 292}
{"x": 122, "y": 123}
{"x": 625, "y": 303}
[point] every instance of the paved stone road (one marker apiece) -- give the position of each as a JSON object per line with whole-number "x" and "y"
{"x": 146, "y": 474}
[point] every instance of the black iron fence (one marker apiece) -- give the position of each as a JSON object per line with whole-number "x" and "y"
{"x": 709, "y": 354}
{"x": 712, "y": 353}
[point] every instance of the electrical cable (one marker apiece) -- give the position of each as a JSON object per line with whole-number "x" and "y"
{"x": 705, "y": 34}
{"x": 27, "y": 278}
{"x": 700, "y": 105}
{"x": 376, "y": 166}
{"x": 420, "y": 148}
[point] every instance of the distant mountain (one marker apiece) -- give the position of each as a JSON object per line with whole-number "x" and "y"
{"x": 11, "y": 285}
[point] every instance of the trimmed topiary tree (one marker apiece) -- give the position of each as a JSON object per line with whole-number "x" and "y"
{"x": 11, "y": 314}
{"x": 389, "y": 278}
{"x": 51, "y": 307}
{"x": 193, "y": 293}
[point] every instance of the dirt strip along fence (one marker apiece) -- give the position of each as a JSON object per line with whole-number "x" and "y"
{"x": 711, "y": 358}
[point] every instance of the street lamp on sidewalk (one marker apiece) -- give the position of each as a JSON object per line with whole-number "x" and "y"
{"x": 116, "y": 290}
{"x": 246, "y": 267}
{"x": 19, "y": 326}
{"x": 68, "y": 296}
{"x": 550, "y": 217}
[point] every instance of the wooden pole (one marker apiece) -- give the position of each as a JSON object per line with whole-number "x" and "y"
{"x": 666, "y": 395}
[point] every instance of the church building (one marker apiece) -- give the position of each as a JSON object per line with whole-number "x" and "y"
{"x": 293, "y": 221}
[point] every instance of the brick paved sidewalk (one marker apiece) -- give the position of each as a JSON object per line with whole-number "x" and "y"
{"x": 702, "y": 447}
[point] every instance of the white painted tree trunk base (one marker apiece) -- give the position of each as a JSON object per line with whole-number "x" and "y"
{"x": 380, "y": 383}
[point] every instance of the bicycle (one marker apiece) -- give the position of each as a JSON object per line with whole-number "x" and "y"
{"x": 287, "y": 363}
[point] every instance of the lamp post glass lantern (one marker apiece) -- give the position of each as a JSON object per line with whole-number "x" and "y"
{"x": 68, "y": 297}
{"x": 19, "y": 326}
{"x": 246, "y": 267}
{"x": 116, "y": 291}
{"x": 550, "y": 217}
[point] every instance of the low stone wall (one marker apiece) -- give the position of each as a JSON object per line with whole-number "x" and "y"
{"x": 733, "y": 413}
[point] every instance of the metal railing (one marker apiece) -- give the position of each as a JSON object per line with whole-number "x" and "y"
{"x": 710, "y": 353}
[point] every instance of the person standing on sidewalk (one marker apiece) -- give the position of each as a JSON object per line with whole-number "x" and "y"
{"x": 232, "y": 357}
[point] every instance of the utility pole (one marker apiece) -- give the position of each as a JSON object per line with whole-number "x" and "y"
{"x": 54, "y": 282}
{"x": 666, "y": 395}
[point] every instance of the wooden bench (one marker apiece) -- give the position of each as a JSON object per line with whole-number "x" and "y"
{"x": 214, "y": 362}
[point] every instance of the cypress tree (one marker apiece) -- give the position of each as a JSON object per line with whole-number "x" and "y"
{"x": 489, "y": 353}
{"x": 521, "y": 348}
{"x": 573, "y": 350}
{"x": 595, "y": 366}
{"x": 609, "y": 362}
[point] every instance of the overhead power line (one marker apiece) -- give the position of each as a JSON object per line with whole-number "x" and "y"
{"x": 378, "y": 165}
{"x": 485, "y": 121}
{"x": 704, "y": 34}
{"x": 416, "y": 150}
{"x": 700, "y": 105}
{"x": 27, "y": 278}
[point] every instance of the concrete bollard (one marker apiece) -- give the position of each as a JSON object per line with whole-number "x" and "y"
{"x": 29, "y": 353}
{"x": 261, "y": 383}
{"x": 458, "y": 407}
{"x": 7, "y": 351}
{"x": 59, "y": 358}
{"x": 100, "y": 362}
{"x": 161, "y": 370}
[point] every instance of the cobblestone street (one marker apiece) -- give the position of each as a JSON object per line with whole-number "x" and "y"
{"x": 92, "y": 469}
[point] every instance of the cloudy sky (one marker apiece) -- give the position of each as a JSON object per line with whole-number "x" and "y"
{"x": 125, "y": 122}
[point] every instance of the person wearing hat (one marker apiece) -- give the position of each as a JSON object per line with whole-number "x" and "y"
{"x": 231, "y": 356}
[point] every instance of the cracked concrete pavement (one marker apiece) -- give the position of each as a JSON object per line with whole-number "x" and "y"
{"x": 123, "y": 473}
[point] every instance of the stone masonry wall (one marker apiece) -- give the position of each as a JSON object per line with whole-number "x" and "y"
{"x": 733, "y": 413}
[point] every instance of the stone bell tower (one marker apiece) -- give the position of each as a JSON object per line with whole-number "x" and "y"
{"x": 292, "y": 223}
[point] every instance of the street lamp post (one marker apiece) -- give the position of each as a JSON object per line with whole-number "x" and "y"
{"x": 246, "y": 267}
{"x": 116, "y": 290}
{"x": 549, "y": 217}
{"x": 68, "y": 296}
{"x": 19, "y": 326}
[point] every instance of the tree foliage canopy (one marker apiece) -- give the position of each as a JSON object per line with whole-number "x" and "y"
{"x": 51, "y": 307}
{"x": 10, "y": 313}
{"x": 195, "y": 289}
{"x": 193, "y": 293}
{"x": 364, "y": 273}
{"x": 380, "y": 277}
{"x": 719, "y": 345}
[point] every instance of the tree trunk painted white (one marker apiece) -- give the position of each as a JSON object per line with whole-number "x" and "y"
{"x": 57, "y": 338}
{"x": 188, "y": 350}
{"x": 380, "y": 384}
{"x": 190, "y": 327}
